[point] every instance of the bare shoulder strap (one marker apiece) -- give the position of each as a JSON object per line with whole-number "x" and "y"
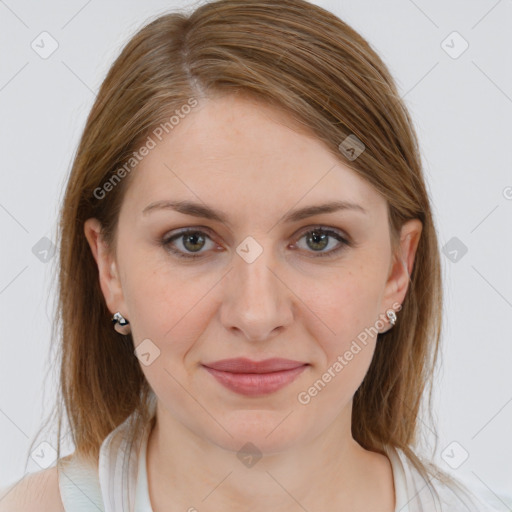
{"x": 79, "y": 486}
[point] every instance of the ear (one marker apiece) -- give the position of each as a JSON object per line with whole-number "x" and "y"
{"x": 402, "y": 265}
{"x": 107, "y": 266}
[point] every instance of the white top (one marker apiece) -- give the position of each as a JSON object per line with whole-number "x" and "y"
{"x": 85, "y": 488}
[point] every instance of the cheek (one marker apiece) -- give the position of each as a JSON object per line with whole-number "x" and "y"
{"x": 347, "y": 308}
{"x": 167, "y": 305}
{"x": 345, "y": 304}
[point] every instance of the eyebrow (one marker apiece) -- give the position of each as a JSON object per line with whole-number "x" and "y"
{"x": 207, "y": 212}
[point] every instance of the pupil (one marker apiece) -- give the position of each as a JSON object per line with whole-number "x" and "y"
{"x": 194, "y": 236}
{"x": 319, "y": 238}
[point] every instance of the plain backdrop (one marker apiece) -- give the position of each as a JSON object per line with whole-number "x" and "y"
{"x": 452, "y": 62}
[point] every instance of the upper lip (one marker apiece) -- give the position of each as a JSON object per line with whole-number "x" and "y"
{"x": 244, "y": 365}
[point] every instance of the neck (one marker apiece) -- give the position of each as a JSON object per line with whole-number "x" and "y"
{"x": 191, "y": 472}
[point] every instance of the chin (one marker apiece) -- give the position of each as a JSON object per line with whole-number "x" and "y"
{"x": 266, "y": 431}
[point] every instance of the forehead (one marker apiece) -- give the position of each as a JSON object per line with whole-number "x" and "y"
{"x": 235, "y": 149}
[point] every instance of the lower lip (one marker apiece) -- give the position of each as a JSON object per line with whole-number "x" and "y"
{"x": 254, "y": 384}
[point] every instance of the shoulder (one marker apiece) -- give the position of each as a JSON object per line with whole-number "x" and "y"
{"x": 449, "y": 492}
{"x": 35, "y": 492}
{"x": 466, "y": 494}
{"x": 467, "y": 490}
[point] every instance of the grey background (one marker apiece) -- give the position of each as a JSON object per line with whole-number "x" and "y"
{"x": 462, "y": 108}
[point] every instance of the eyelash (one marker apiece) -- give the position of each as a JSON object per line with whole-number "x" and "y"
{"x": 166, "y": 242}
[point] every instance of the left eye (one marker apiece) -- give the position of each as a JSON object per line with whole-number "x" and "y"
{"x": 318, "y": 239}
{"x": 192, "y": 241}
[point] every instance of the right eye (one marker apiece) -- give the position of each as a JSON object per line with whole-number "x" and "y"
{"x": 190, "y": 240}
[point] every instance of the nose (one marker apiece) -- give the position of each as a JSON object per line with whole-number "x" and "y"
{"x": 256, "y": 303}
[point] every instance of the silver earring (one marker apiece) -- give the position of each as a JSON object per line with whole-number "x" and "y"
{"x": 391, "y": 316}
{"x": 121, "y": 325}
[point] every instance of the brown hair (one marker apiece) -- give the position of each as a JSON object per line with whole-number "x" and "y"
{"x": 294, "y": 56}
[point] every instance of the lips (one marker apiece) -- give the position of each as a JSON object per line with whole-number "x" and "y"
{"x": 255, "y": 378}
{"x": 244, "y": 365}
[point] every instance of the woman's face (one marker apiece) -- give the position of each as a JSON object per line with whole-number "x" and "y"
{"x": 260, "y": 284}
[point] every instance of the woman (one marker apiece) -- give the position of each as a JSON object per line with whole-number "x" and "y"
{"x": 250, "y": 291}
